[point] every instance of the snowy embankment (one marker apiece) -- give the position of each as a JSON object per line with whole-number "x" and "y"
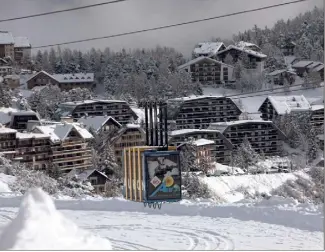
{"x": 39, "y": 226}
{"x": 236, "y": 188}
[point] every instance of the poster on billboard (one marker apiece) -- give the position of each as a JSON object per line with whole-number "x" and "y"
{"x": 163, "y": 175}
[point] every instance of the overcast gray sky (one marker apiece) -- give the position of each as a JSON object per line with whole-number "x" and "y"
{"x": 140, "y": 14}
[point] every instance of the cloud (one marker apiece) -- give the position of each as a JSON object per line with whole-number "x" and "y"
{"x": 139, "y": 14}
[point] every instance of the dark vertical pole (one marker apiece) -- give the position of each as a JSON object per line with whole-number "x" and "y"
{"x": 161, "y": 130}
{"x": 166, "y": 130}
{"x": 146, "y": 122}
{"x": 156, "y": 123}
{"x": 151, "y": 124}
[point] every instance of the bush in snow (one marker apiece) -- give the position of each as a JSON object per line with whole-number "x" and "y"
{"x": 73, "y": 187}
{"x": 193, "y": 187}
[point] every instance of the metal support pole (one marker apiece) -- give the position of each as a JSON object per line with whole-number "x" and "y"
{"x": 161, "y": 130}
{"x": 155, "y": 123}
{"x": 146, "y": 122}
{"x": 151, "y": 124}
{"x": 166, "y": 126}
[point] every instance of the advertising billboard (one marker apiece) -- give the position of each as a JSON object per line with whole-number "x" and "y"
{"x": 162, "y": 176}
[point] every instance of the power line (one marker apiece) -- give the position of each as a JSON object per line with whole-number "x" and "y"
{"x": 60, "y": 11}
{"x": 172, "y": 25}
{"x": 266, "y": 90}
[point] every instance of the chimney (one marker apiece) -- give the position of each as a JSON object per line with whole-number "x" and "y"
{"x": 66, "y": 119}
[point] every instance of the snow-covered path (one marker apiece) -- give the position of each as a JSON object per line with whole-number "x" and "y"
{"x": 193, "y": 227}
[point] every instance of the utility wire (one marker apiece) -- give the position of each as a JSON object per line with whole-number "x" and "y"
{"x": 60, "y": 11}
{"x": 172, "y": 25}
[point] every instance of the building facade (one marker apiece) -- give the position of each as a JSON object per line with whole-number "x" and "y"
{"x": 263, "y": 136}
{"x": 317, "y": 116}
{"x": 207, "y": 49}
{"x": 22, "y": 49}
{"x": 119, "y": 110}
{"x": 199, "y": 112}
{"x": 6, "y": 45}
{"x": 220, "y": 150}
{"x": 208, "y": 71}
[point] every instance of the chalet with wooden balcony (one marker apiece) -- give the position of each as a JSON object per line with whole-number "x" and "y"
{"x": 275, "y": 106}
{"x": 7, "y": 140}
{"x": 128, "y": 136}
{"x": 237, "y": 52}
{"x": 69, "y": 146}
{"x": 22, "y": 49}
{"x": 34, "y": 150}
{"x": 98, "y": 124}
{"x": 317, "y": 116}
{"x": 198, "y": 112}
{"x": 207, "y": 49}
{"x": 202, "y": 150}
{"x": 119, "y": 110}
{"x": 220, "y": 149}
{"x": 263, "y": 136}
{"x": 208, "y": 71}
{"x": 65, "y": 82}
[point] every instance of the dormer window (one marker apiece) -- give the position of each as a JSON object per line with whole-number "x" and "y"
{"x": 71, "y": 78}
{"x": 88, "y": 77}
{"x": 82, "y": 78}
{"x": 77, "y": 78}
{"x": 65, "y": 78}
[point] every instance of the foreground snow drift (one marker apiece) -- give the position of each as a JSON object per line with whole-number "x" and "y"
{"x": 39, "y": 226}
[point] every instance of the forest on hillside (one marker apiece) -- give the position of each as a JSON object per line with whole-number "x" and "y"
{"x": 143, "y": 73}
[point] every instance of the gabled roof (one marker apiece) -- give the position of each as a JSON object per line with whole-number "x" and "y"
{"x": 315, "y": 64}
{"x": 318, "y": 68}
{"x": 302, "y": 63}
{"x": 197, "y": 60}
{"x": 243, "y": 44}
{"x": 245, "y": 50}
{"x": 126, "y": 128}
{"x": 84, "y": 175}
{"x": 222, "y": 126}
{"x": 288, "y": 104}
{"x": 21, "y": 42}
{"x": 209, "y": 48}
{"x": 317, "y": 107}
{"x": 29, "y": 135}
{"x": 59, "y": 132}
{"x": 97, "y": 122}
{"x": 44, "y": 72}
{"x": 4, "y": 130}
{"x": 6, "y": 38}
{"x": 276, "y": 72}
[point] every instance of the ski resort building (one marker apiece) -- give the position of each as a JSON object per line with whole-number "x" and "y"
{"x": 208, "y": 71}
{"x": 263, "y": 136}
{"x": 220, "y": 149}
{"x": 317, "y": 116}
{"x": 119, "y": 110}
{"x": 7, "y": 139}
{"x": 255, "y": 56}
{"x": 6, "y": 44}
{"x": 274, "y": 106}
{"x": 22, "y": 49}
{"x": 69, "y": 146}
{"x": 98, "y": 124}
{"x": 19, "y": 119}
{"x": 198, "y": 112}
{"x": 207, "y": 49}
{"x": 65, "y": 82}
{"x": 128, "y": 136}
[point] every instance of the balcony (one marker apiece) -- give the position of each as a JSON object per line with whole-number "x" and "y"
{"x": 71, "y": 159}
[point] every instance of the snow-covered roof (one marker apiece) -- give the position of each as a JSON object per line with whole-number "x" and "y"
{"x": 276, "y": 72}
{"x": 189, "y": 131}
{"x": 4, "y": 130}
{"x": 202, "y": 142}
{"x": 209, "y": 48}
{"x": 6, "y": 38}
{"x": 290, "y": 103}
{"x": 5, "y": 114}
{"x": 30, "y": 135}
{"x": 317, "y": 107}
{"x": 132, "y": 126}
{"x": 243, "y": 44}
{"x": 315, "y": 64}
{"x": 22, "y": 42}
{"x": 35, "y": 74}
{"x": 196, "y": 60}
{"x": 96, "y": 122}
{"x": 140, "y": 114}
{"x": 77, "y": 77}
{"x": 59, "y": 132}
{"x": 302, "y": 63}
{"x": 318, "y": 68}
{"x": 222, "y": 126}
{"x": 245, "y": 50}
{"x": 194, "y": 97}
{"x": 76, "y": 103}
{"x": 84, "y": 175}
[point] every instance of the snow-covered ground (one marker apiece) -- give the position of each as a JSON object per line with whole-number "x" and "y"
{"x": 275, "y": 224}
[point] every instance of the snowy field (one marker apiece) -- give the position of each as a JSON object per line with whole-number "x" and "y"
{"x": 277, "y": 224}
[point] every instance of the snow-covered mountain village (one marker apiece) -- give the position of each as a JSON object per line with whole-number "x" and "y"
{"x": 243, "y": 115}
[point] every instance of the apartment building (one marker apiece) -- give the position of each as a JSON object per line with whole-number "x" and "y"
{"x": 202, "y": 150}
{"x": 22, "y": 49}
{"x": 275, "y": 106}
{"x": 128, "y": 136}
{"x": 5, "y": 70}
{"x": 255, "y": 56}
{"x": 7, "y": 139}
{"x": 6, "y": 44}
{"x": 69, "y": 146}
{"x": 207, "y": 49}
{"x": 98, "y": 124}
{"x": 263, "y": 136}
{"x": 19, "y": 119}
{"x": 220, "y": 149}
{"x": 34, "y": 150}
{"x": 317, "y": 116}
{"x": 119, "y": 110}
{"x": 65, "y": 82}
{"x": 198, "y": 112}
{"x": 208, "y": 71}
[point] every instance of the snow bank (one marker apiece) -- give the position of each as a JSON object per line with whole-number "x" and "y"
{"x": 4, "y": 181}
{"x": 39, "y": 226}
{"x": 234, "y": 188}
